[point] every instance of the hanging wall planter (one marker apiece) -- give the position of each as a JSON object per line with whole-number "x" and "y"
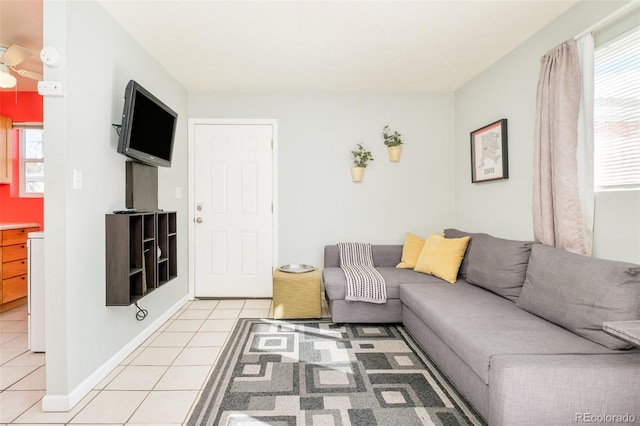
{"x": 393, "y": 141}
{"x": 360, "y": 157}
{"x": 357, "y": 173}
{"x": 394, "y": 153}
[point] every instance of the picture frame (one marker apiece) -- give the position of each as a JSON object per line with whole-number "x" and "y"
{"x": 489, "y": 152}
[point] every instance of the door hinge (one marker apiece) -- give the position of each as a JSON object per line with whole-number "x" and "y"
{"x": 272, "y": 208}
{"x": 271, "y": 143}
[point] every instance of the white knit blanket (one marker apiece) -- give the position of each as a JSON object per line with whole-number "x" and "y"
{"x": 364, "y": 283}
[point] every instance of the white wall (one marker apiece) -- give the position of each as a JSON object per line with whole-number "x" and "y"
{"x": 508, "y": 90}
{"x": 318, "y": 203}
{"x": 617, "y": 226}
{"x": 98, "y": 59}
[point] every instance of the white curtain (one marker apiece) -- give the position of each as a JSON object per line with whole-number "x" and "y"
{"x": 557, "y": 211}
{"x": 585, "y": 139}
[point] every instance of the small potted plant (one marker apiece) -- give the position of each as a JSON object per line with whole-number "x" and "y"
{"x": 393, "y": 141}
{"x": 361, "y": 157}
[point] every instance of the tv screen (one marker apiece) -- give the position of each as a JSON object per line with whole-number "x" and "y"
{"x": 148, "y": 127}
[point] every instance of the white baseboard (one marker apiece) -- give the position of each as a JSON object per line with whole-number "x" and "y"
{"x": 68, "y": 401}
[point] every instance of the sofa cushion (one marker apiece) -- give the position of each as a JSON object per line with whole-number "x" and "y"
{"x": 580, "y": 293}
{"x": 498, "y": 265}
{"x": 410, "y": 251}
{"x": 477, "y": 325}
{"x": 335, "y": 281}
{"x": 455, "y": 233}
{"x": 383, "y": 255}
{"x": 442, "y": 256}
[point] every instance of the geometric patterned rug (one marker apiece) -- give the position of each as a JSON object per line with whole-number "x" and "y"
{"x": 285, "y": 373}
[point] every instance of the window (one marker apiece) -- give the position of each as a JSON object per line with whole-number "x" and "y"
{"x": 617, "y": 113}
{"x": 31, "y": 162}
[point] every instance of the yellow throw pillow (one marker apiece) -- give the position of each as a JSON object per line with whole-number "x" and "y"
{"x": 410, "y": 251}
{"x": 442, "y": 257}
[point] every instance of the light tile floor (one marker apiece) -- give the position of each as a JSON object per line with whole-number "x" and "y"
{"x": 158, "y": 384}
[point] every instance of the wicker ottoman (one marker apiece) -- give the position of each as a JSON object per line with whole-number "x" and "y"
{"x": 296, "y": 295}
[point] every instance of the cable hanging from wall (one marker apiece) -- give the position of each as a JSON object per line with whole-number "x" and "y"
{"x": 142, "y": 313}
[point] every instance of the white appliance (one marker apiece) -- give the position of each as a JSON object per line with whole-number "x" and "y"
{"x": 35, "y": 244}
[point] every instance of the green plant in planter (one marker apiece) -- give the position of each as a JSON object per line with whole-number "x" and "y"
{"x": 391, "y": 139}
{"x": 361, "y": 156}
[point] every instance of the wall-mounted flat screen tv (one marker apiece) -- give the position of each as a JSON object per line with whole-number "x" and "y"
{"x": 148, "y": 127}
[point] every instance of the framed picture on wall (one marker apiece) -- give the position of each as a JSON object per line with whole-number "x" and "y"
{"x": 489, "y": 155}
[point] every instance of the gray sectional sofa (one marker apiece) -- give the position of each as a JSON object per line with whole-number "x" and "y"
{"x": 519, "y": 333}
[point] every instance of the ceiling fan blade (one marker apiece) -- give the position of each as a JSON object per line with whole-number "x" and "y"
{"x": 28, "y": 74}
{"x": 14, "y": 55}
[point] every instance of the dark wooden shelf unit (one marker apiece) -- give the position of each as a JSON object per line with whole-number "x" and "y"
{"x": 134, "y": 268}
{"x": 167, "y": 261}
{"x": 173, "y": 246}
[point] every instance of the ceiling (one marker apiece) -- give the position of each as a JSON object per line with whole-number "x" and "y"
{"x": 306, "y": 45}
{"x": 331, "y": 45}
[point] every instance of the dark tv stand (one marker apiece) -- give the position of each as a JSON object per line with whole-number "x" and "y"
{"x": 141, "y": 254}
{"x": 141, "y": 187}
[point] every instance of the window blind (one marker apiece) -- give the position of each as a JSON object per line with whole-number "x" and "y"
{"x": 617, "y": 113}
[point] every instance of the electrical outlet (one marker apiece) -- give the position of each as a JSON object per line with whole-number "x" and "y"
{"x": 50, "y": 88}
{"x": 77, "y": 179}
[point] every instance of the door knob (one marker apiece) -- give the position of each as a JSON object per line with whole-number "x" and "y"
{"x": 198, "y": 220}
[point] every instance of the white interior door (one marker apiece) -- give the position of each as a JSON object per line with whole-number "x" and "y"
{"x": 233, "y": 200}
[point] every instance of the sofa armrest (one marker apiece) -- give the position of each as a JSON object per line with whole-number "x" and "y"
{"x": 331, "y": 256}
{"x": 564, "y": 389}
{"x": 383, "y": 255}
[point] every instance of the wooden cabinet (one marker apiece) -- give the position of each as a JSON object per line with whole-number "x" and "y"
{"x": 14, "y": 264}
{"x": 140, "y": 255}
{"x": 5, "y": 149}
